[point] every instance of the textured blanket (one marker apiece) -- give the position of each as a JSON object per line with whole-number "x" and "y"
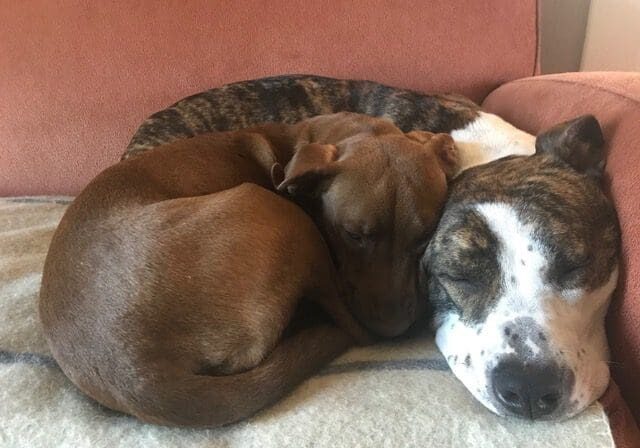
{"x": 391, "y": 395}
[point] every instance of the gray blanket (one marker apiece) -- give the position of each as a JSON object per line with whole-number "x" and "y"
{"x": 390, "y": 395}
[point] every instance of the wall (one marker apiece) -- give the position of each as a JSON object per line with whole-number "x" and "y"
{"x": 613, "y": 36}
{"x": 562, "y": 32}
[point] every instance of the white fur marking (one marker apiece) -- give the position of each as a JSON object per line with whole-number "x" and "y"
{"x": 571, "y": 321}
{"x": 533, "y": 346}
{"x": 516, "y": 260}
{"x": 488, "y": 138}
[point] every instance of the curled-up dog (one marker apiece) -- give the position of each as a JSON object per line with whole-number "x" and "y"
{"x": 481, "y": 136}
{"x": 569, "y": 371}
{"x": 520, "y": 273}
{"x": 172, "y": 277}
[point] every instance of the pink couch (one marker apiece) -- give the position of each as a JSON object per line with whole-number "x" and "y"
{"x": 77, "y": 77}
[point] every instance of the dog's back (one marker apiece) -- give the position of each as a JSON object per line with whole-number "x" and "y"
{"x": 292, "y": 98}
{"x": 164, "y": 298}
{"x": 168, "y": 275}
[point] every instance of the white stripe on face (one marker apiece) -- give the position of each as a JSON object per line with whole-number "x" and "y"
{"x": 521, "y": 257}
{"x": 562, "y": 326}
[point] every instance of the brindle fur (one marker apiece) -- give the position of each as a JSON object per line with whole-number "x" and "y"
{"x": 520, "y": 272}
{"x": 567, "y": 207}
{"x": 292, "y": 98}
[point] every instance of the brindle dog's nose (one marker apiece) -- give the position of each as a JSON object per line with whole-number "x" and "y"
{"x": 532, "y": 391}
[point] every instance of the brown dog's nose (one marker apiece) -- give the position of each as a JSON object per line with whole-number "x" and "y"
{"x": 531, "y": 391}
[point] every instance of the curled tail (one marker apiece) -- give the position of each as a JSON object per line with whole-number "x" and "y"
{"x": 210, "y": 401}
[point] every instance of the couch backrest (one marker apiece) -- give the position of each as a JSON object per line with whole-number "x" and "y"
{"x": 78, "y": 77}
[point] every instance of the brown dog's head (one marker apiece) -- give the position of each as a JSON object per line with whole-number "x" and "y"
{"x": 377, "y": 197}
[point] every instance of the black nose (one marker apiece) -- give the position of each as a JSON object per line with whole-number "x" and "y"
{"x": 528, "y": 390}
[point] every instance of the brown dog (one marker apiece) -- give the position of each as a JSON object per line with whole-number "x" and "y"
{"x": 170, "y": 279}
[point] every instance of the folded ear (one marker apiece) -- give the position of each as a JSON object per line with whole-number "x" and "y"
{"x": 277, "y": 175}
{"x": 443, "y": 147}
{"x": 578, "y": 142}
{"x": 310, "y": 165}
{"x": 420, "y": 136}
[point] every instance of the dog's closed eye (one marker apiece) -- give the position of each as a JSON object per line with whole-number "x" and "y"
{"x": 362, "y": 233}
{"x": 458, "y": 281}
{"x": 358, "y": 239}
{"x": 571, "y": 270}
{"x": 354, "y": 236}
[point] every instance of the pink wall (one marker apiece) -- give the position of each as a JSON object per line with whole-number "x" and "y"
{"x": 77, "y": 77}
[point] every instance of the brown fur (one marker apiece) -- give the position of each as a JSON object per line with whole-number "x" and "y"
{"x": 172, "y": 277}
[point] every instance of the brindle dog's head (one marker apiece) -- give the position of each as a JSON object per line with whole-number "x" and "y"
{"x": 377, "y": 195}
{"x": 520, "y": 272}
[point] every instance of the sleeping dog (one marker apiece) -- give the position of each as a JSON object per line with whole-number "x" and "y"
{"x": 481, "y": 136}
{"x": 173, "y": 277}
{"x": 520, "y": 271}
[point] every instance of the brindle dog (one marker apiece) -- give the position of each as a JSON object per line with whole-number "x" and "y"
{"x": 292, "y": 98}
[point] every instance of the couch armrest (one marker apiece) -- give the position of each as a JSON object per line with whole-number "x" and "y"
{"x": 614, "y": 98}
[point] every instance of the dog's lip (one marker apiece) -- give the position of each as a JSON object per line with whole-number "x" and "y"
{"x": 385, "y": 328}
{"x": 379, "y": 327}
{"x": 558, "y": 416}
{"x": 376, "y": 326}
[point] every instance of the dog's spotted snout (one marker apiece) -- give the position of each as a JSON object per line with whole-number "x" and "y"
{"x": 530, "y": 382}
{"x": 529, "y": 390}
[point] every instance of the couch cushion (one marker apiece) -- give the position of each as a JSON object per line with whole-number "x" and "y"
{"x": 396, "y": 394}
{"x": 78, "y": 77}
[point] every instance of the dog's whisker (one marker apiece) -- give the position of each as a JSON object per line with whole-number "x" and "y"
{"x": 615, "y": 363}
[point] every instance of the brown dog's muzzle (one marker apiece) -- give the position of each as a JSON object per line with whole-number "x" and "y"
{"x": 395, "y": 317}
{"x": 387, "y": 308}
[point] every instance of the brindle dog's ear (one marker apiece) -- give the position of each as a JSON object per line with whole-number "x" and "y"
{"x": 310, "y": 165}
{"x": 444, "y": 148}
{"x": 578, "y": 142}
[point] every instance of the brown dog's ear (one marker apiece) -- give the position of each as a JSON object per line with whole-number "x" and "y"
{"x": 310, "y": 165}
{"x": 277, "y": 175}
{"x": 444, "y": 148}
{"x": 420, "y": 136}
{"x": 578, "y": 142}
